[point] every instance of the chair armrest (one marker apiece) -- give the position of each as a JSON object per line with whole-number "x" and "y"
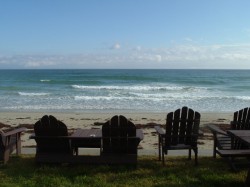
{"x": 159, "y": 130}
{"x": 216, "y": 130}
{"x": 12, "y": 136}
{"x": 15, "y": 131}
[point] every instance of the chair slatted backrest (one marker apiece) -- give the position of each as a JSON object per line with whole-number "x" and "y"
{"x": 241, "y": 121}
{"x": 181, "y": 125}
{"x": 50, "y": 127}
{"x": 119, "y": 136}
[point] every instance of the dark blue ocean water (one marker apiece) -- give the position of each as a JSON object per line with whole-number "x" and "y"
{"x": 125, "y": 90}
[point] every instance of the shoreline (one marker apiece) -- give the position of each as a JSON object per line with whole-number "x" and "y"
{"x": 14, "y": 118}
{"x": 146, "y": 121}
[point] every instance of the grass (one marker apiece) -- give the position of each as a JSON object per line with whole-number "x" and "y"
{"x": 23, "y": 171}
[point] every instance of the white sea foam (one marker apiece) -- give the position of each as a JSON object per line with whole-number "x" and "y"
{"x": 93, "y": 98}
{"x": 139, "y": 103}
{"x": 247, "y": 98}
{"x": 32, "y": 94}
{"x": 140, "y": 88}
{"x": 45, "y": 80}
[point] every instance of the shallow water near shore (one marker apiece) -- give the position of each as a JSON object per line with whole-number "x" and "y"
{"x": 73, "y": 91}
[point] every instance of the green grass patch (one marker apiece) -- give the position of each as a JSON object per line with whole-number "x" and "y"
{"x": 23, "y": 171}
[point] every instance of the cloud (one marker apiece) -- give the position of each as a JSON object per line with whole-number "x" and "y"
{"x": 176, "y": 56}
{"x": 187, "y": 39}
{"x": 138, "y": 48}
{"x": 158, "y": 58}
{"x": 31, "y": 61}
{"x": 116, "y": 46}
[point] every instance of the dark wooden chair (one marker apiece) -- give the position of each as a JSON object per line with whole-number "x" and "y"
{"x": 9, "y": 142}
{"x": 119, "y": 140}
{"x": 182, "y": 130}
{"x": 51, "y": 138}
{"x": 222, "y": 141}
{"x": 226, "y": 146}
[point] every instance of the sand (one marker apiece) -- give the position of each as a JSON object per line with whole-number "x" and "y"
{"x": 146, "y": 121}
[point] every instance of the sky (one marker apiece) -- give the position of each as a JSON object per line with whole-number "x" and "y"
{"x": 162, "y": 34}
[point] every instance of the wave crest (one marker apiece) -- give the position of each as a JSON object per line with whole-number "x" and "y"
{"x": 138, "y": 88}
{"x": 32, "y": 94}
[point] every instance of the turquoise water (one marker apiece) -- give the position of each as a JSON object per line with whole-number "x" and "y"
{"x": 124, "y": 90}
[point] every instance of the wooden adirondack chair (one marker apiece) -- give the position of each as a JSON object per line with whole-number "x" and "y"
{"x": 9, "y": 142}
{"x": 229, "y": 147}
{"x": 119, "y": 138}
{"x": 222, "y": 141}
{"x": 51, "y": 138}
{"x": 182, "y": 130}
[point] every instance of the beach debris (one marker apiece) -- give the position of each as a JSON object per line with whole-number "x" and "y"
{"x": 95, "y": 128}
{"x": 98, "y": 123}
{"x": 24, "y": 118}
{"x": 147, "y": 125}
{"x": 221, "y": 120}
{"x": 200, "y": 143}
{"x": 88, "y": 119}
{"x": 139, "y": 147}
{"x": 154, "y": 133}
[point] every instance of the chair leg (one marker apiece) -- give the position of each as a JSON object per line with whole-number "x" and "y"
{"x": 189, "y": 154}
{"x": 6, "y": 156}
{"x": 196, "y": 156}
{"x": 76, "y": 151}
{"x": 159, "y": 147}
{"x": 215, "y": 144}
{"x": 18, "y": 143}
{"x": 162, "y": 157}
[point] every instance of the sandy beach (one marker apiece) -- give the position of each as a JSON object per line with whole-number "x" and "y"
{"x": 146, "y": 121}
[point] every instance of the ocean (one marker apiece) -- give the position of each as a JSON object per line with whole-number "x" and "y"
{"x": 123, "y": 90}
